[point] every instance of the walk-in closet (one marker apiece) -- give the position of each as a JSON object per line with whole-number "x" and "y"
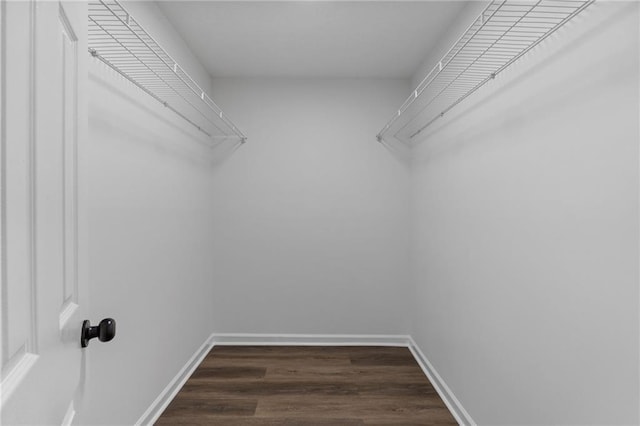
{"x": 320, "y": 212}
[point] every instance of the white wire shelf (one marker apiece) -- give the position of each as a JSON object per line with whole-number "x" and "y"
{"x": 501, "y": 34}
{"x": 119, "y": 41}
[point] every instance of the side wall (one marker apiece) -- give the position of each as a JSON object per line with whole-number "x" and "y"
{"x": 525, "y": 242}
{"x": 150, "y": 238}
{"x": 310, "y": 224}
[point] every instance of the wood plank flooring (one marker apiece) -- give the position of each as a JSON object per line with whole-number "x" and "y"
{"x": 307, "y": 386}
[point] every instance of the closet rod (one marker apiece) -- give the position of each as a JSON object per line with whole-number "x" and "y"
{"x": 119, "y": 41}
{"x": 501, "y": 34}
{"x": 140, "y": 86}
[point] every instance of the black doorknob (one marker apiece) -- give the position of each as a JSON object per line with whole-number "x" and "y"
{"x": 105, "y": 331}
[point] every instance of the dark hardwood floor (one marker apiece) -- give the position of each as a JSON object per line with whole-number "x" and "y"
{"x": 305, "y": 386}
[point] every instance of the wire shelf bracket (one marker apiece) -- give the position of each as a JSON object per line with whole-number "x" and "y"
{"x": 504, "y": 31}
{"x": 119, "y": 41}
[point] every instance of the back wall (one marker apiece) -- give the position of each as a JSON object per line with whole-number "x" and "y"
{"x": 310, "y": 222}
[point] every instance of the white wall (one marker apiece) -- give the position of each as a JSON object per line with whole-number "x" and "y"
{"x": 310, "y": 225}
{"x": 525, "y": 233}
{"x": 150, "y": 241}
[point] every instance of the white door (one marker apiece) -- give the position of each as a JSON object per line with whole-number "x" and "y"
{"x": 43, "y": 129}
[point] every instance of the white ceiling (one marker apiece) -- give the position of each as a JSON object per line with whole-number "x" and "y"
{"x": 311, "y": 38}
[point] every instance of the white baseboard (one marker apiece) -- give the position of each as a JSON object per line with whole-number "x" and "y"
{"x": 453, "y": 404}
{"x": 162, "y": 401}
{"x": 166, "y": 396}
{"x": 310, "y": 339}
